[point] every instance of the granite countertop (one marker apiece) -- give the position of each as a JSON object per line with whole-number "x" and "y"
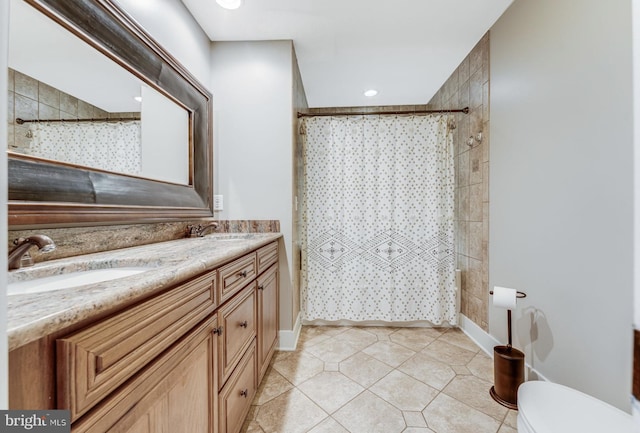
{"x": 32, "y": 316}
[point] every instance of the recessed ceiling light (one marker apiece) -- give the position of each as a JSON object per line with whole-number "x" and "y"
{"x": 370, "y": 93}
{"x": 230, "y": 4}
{"x": 138, "y": 98}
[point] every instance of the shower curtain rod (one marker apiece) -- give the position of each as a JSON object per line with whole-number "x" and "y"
{"x": 20, "y": 121}
{"x": 464, "y": 110}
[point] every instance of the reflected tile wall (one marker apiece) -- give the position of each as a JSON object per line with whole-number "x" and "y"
{"x": 29, "y": 98}
{"x": 469, "y": 86}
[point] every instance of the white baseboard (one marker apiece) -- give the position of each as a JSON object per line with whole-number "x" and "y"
{"x": 288, "y": 340}
{"x": 486, "y": 342}
{"x": 479, "y": 336}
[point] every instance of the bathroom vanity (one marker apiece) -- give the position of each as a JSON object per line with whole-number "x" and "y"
{"x": 181, "y": 347}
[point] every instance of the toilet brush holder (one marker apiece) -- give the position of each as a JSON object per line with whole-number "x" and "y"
{"x": 508, "y": 372}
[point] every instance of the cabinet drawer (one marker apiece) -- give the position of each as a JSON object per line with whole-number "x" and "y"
{"x": 238, "y": 320}
{"x": 236, "y": 275}
{"x": 267, "y": 256}
{"x": 236, "y": 396}
{"x": 94, "y": 361}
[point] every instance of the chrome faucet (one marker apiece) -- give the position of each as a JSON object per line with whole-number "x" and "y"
{"x": 44, "y": 244}
{"x": 198, "y": 230}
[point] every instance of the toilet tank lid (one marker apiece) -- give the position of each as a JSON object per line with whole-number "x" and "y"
{"x": 550, "y": 407}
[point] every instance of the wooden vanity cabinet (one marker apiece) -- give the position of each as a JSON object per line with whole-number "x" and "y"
{"x": 188, "y": 359}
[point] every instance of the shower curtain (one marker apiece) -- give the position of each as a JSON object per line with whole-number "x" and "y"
{"x": 111, "y": 146}
{"x": 378, "y": 219}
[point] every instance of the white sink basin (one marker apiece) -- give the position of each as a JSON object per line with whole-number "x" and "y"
{"x": 72, "y": 279}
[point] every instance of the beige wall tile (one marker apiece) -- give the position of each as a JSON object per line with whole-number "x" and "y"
{"x": 48, "y": 95}
{"x": 470, "y": 85}
{"x": 475, "y": 240}
{"x": 85, "y": 110}
{"x": 25, "y": 85}
{"x": 46, "y": 112}
{"x": 475, "y": 202}
{"x": 486, "y": 139}
{"x": 464, "y": 94}
{"x": 464, "y": 168}
{"x": 485, "y": 101}
{"x": 10, "y": 136}
{"x": 475, "y": 122}
{"x": 475, "y": 164}
{"x": 463, "y": 71}
{"x": 474, "y": 278}
{"x": 68, "y": 104}
{"x": 25, "y": 108}
{"x": 11, "y": 80}
{"x": 10, "y": 109}
{"x": 475, "y": 89}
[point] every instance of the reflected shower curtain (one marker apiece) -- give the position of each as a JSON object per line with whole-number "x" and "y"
{"x": 378, "y": 219}
{"x": 110, "y": 146}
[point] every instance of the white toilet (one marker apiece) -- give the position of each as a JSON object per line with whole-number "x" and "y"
{"x": 546, "y": 407}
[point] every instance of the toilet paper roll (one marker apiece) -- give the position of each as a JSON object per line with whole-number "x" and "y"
{"x": 504, "y": 297}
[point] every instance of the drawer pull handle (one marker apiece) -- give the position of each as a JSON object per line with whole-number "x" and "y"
{"x": 244, "y": 393}
{"x": 243, "y": 324}
{"x": 261, "y": 287}
{"x": 218, "y": 330}
{"x": 243, "y": 274}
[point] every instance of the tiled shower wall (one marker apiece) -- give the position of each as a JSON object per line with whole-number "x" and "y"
{"x": 469, "y": 86}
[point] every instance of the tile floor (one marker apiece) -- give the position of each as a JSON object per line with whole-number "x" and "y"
{"x": 379, "y": 380}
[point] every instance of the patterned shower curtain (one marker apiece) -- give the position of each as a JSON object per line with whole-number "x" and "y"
{"x": 378, "y": 219}
{"x": 111, "y": 146}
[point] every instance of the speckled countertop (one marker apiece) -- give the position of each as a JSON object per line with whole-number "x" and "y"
{"x": 32, "y": 316}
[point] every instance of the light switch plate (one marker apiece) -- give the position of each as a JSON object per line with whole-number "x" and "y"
{"x": 218, "y": 202}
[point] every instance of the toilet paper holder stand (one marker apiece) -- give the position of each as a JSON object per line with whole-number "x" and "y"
{"x": 508, "y": 364}
{"x": 519, "y": 295}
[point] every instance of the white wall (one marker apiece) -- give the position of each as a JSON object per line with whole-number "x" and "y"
{"x": 561, "y": 189}
{"x": 251, "y": 84}
{"x": 4, "y": 44}
{"x": 172, "y": 26}
{"x": 164, "y": 135}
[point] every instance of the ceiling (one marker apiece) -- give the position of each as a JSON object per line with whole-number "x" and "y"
{"x": 405, "y": 49}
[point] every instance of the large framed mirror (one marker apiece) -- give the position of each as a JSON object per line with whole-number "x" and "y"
{"x": 72, "y": 166}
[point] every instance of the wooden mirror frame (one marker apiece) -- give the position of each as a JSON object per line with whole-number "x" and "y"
{"x": 47, "y": 194}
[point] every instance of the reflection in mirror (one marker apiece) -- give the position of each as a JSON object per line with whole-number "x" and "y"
{"x": 71, "y": 104}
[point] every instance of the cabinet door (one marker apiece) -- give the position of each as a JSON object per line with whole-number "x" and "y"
{"x": 238, "y": 330}
{"x": 175, "y": 393}
{"x": 267, "y": 290}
